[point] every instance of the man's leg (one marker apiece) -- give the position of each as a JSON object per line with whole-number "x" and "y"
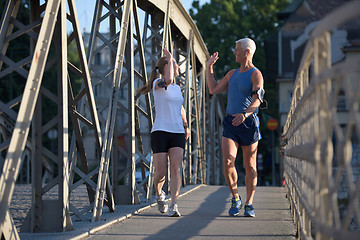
{"x": 229, "y": 150}
{"x": 249, "y": 155}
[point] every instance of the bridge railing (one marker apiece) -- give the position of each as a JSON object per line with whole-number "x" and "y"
{"x": 321, "y": 136}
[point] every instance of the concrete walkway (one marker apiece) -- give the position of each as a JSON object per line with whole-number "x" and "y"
{"x": 205, "y": 216}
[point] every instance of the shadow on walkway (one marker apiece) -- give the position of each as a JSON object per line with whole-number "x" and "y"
{"x": 205, "y": 216}
{"x": 205, "y": 211}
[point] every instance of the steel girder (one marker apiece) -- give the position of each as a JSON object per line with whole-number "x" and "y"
{"x": 46, "y": 33}
{"x": 159, "y": 31}
{"x": 132, "y": 56}
{"x": 54, "y": 10}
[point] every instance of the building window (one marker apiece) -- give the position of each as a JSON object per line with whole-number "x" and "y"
{"x": 98, "y": 59}
{"x": 341, "y": 101}
{"x": 290, "y": 93}
{"x": 98, "y": 90}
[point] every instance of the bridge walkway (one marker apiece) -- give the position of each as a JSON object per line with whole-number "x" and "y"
{"x": 204, "y": 216}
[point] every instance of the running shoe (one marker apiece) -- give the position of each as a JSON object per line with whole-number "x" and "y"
{"x": 235, "y": 207}
{"x": 162, "y": 205}
{"x": 174, "y": 211}
{"x": 249, "y": 210}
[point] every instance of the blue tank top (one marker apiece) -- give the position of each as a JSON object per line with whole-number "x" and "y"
{"x": 239, "y": 92}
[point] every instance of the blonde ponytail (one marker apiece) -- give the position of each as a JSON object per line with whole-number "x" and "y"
{"x": 154, "y": 75}
{"x": 148, "y": 86}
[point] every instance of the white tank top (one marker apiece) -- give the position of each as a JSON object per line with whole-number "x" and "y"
{"x": 168, "y": 105}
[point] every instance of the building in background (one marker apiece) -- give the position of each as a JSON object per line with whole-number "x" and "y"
{"x": 284, "y": 51}
{"x": 285, "y": 48}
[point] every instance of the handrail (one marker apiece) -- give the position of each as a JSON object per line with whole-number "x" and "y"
{"x": 321, "y": 143}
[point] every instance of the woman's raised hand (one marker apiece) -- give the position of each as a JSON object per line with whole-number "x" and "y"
{"x": 167, "y": 54}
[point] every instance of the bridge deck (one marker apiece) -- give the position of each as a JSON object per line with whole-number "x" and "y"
{"x": 204, "y": 216}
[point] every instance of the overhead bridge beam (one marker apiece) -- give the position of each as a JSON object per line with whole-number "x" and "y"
{"x": 183, "y": 22}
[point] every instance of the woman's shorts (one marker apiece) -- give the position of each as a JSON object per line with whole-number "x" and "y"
{"x": 161, "y": 141}
{"x": 246, "y": 133}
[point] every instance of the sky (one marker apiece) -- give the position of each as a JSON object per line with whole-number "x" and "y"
{"x": 85, "y": 10}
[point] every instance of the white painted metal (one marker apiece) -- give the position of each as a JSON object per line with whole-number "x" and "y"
{"x": 110, "y": 123}
{"x": 320, "y": 142}
{"x": 18, "y": 140}
{"x": 163, "y": 27}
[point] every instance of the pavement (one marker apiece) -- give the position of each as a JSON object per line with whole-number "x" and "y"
{"x": 204, "y": 212}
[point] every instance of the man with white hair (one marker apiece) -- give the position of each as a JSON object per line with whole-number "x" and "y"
{"x": 241, "y": 124}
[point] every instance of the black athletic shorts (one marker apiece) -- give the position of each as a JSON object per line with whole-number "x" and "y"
{"x": 161, "y": 141}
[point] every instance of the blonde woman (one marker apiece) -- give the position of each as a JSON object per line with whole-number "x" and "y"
{"x": 169, "y": 131}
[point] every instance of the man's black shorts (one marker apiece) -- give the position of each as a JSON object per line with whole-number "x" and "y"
{"x": 161, "y": 141}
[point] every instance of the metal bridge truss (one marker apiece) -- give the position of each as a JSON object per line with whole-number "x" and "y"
{"x": 322, "y": 144}
{"x": 52, "y": 81}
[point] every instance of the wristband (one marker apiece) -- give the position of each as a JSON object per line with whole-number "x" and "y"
{"x": 245, "y": 114}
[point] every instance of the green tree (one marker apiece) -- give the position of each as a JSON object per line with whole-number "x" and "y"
{"x": 222, "y": 22}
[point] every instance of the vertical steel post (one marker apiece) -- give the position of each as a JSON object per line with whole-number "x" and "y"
{"x": 110, "y": 123}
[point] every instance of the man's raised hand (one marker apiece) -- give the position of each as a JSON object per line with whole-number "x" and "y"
{"x": 213, "y": 58}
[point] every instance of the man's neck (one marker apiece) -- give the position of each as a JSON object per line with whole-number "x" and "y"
{"x": 246, "y": 66}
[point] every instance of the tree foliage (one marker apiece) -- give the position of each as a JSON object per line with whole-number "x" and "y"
{"x": 222, "y": 22}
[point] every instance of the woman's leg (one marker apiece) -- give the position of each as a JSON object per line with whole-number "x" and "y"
{"x": 160, "y": 163}
{"x": 176, "y": 156}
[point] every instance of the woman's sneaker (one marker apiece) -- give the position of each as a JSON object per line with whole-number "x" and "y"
{"x": 173, "y": 211}
{"x": 235, "y": 207}
{"x": 162, "y": 205}
{"x": 249, "y": 210}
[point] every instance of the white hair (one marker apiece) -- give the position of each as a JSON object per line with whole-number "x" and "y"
{"x": 247, "y": 43}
